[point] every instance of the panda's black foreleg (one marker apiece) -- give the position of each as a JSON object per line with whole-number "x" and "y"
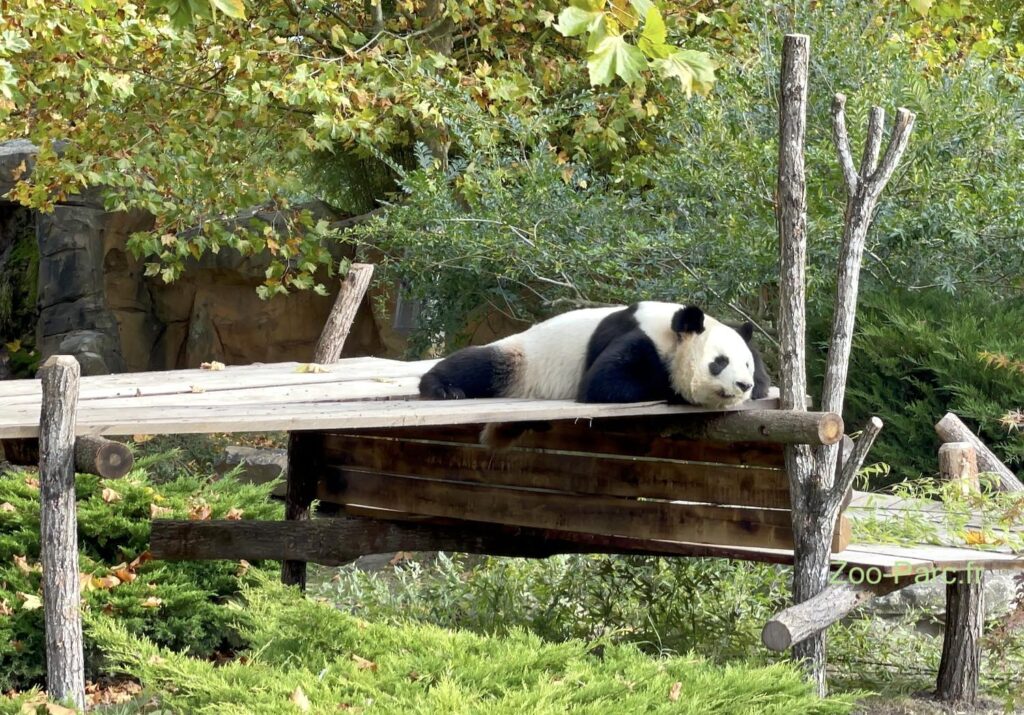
{"x": 468, "y": 373}
{"x": 628, "y": 370}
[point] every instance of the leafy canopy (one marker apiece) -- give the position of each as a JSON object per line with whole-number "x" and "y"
{"x": 195, "y": 109}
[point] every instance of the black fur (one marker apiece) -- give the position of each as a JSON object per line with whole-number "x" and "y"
{"x": 468, "y": 373}
{"x": 628, "y": 370}
{"x": 688, "y": 320}
{"x": 613, "y": 327}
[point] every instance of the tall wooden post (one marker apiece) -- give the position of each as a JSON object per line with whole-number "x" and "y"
{"x": 304, "y": 455}
{"x": 65, "y": 673}
{"x": 960, "y": 666}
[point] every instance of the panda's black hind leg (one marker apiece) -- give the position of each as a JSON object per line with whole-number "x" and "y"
{"x": 468, "y": 373}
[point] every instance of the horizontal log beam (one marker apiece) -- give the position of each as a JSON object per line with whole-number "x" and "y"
{"x": 773, "y": 426}
{"x": 335, "y": 541}
{"x": 93, "y": 455}
{"x": 816, "y": 614}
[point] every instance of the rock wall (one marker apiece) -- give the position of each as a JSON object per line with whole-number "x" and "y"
{"x": 94, "y": 301}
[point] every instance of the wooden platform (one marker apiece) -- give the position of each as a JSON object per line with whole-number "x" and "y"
{"x": 353, "y": 393}
{"x": 364, "y": 394}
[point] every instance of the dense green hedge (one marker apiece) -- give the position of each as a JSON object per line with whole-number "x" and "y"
{"x": 177, "y": 604}
{"x": 917, "y": 356}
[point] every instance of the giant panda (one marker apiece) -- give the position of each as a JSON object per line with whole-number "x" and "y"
{"x": 643, "y": 352}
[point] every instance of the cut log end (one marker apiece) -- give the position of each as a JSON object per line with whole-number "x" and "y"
{"x": 830, "y": 428}
{"x": 776, "y": 636}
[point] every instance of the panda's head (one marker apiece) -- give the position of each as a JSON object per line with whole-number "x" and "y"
{"x": 712, "y": 365}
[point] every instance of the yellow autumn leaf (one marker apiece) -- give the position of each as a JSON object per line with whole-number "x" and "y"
{"x": 978, "y": 538}
{"x": 311, "y": 367}
{"x": 109, "y": 495}
{"x": 152, "y": 602}
{"x": 13, "y": 346}
{"x": 140, "y": 438}
{"x": 212, "y": 365}
{"x": 55, "y": 709}
{"x": 234, "y": 514}
{"x": 8, "y": 507}
{"x": 106, "y": 582}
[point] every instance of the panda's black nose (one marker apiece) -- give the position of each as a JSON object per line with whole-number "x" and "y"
{"x": 744, "y": 386}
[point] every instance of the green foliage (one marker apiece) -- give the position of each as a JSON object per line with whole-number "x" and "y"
{"x": 300, "y": 649}
{"x": 177, "y": 604}
{"x": 917, "y": 356}
{"x": 710, "y": 606}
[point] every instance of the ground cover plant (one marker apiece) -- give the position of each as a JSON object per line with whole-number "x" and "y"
{"x": 177, "y": 604}
{"x": 308, "y": 655}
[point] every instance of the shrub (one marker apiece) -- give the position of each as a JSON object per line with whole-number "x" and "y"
{"x": 917, "y": 356}
{"x": 177, "y": 604}
{"x": 306, "y": 652}
{"x": 715, "y": 607}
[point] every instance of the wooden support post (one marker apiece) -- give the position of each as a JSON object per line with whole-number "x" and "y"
{"x": 93, "y": 455}
{"x": 65, "y": 676}
{"x": 951, "y": 429}
{"x": 959, "y": 668}
{"x": 305, "y": 455}
{"x": 305, "y": 449}
{"x": 339, "y": 322}
{"x": 816, "y": 614}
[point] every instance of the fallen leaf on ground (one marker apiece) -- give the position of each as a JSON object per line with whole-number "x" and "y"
{"x": 141, "y": 559}
{"x": 22, "y": 563}
{"x": 978, "y": 538}
{"x": 234, "y": 514}
{"x": 400, "y": 557}
{"x": 299, "y": 699}
{"x": 199, "y": 512}
{"x": 55, "y": 709}
{"x": 243, "y": 568}
{"x": 109, "y": 495}
{"x": 8, "y": 507}
{"x": 152, "y": 602}
{"x": 31, "y": 602}
{"x": 32, "y": 482}
{"x": 311, "y": 367}
{"x": 363, "y": 663}
{"x": 675, "y": 691}
{"x": 5, "y": 609}
{"x": 125, "y": 574}
{"x": 196, "y": 388}
{"x": 105, "y": 581}
{"x": 140, "y": 438}
{"x": 212, "y": 365}
{"x": 155, "y": 511}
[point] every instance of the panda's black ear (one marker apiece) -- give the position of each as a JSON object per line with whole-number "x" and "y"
{"x": 746, "y": 331}
{"x": 688, "y": 320}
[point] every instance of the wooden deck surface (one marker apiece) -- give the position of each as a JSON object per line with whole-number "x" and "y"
{"x": 357, "y": 392}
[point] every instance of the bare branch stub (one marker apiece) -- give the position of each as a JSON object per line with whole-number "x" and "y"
{"x": 841, "y": 139}
{"x": 856, "y": 460}
{"x": 873, "y": 144}
{"x": 894, "y": 152}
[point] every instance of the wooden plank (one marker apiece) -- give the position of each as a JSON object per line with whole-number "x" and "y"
{"x": 184, "y": 382}
{"x": 577, "y": 473}
{"x": 604, "y": 436}
{"x": 344, "y": 415}
{"x": 550, "y": 510}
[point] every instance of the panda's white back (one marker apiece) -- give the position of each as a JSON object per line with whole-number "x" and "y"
{"x": 550, "y": 356}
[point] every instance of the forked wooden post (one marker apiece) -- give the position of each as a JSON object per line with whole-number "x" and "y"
{"x": 959, "y": 668}
{"x": 65, "y": 676}
{"x": 303, "y": 448}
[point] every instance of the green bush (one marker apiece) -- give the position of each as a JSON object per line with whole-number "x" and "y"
{"x": 917, "y": 356}
{"x": 301, "y": 651}
{"x": 177, "y": 604}
{"x": 714, "y": 607}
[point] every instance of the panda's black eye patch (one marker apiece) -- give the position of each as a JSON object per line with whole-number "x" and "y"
{"x": 720, "y": 363}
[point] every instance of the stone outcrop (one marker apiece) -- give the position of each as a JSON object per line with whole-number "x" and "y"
{"x": 95, "y": 302}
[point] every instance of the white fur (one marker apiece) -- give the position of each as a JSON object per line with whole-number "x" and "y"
{"x": 553, "y": 353}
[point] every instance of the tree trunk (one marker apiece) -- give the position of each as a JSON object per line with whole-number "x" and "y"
{"x": 65, "y": 678}
{"x": 305, "y": 452}
{"x": 959, "y": 669}
{"x": 343, "y": 314}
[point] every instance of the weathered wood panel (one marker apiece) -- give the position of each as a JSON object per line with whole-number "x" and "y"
{"x": 551, "y": 510}
{"x": 576, "y": 473}
{"x": 638, "y": 437}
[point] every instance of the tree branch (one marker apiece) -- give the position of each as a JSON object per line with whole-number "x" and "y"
{"x": 894, "y": 152}
{"x": 856, "y": 460}
{"x": 842, "y": 141}
{"x": 876, "y": 124}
